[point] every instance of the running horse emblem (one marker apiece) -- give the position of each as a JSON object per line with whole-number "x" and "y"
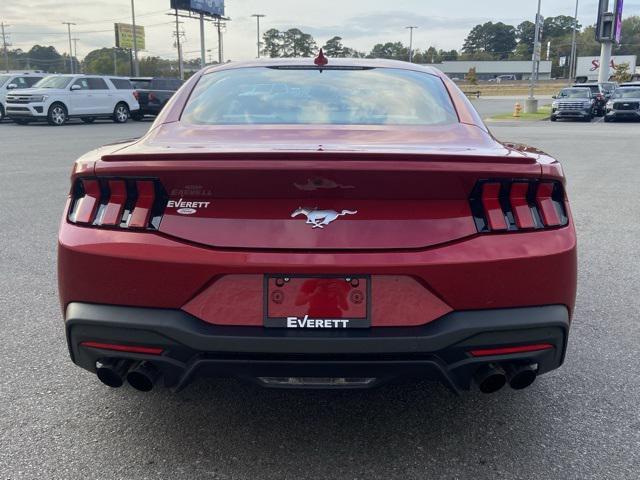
{"x": 320, "y": 218}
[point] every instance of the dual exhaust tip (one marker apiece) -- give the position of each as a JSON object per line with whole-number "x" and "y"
{"x": 140, "y": 375}
{"x": 492, "y": 378}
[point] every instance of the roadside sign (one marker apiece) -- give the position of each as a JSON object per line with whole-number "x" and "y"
{"x": 124, "y": 36}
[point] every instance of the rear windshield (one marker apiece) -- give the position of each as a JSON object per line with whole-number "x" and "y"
{"x": 263, "y": 95}
{"x": 574, "y": 93}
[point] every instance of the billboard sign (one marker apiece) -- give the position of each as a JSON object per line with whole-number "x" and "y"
{"x": 617, "y": 26}
{"x": 213, "y": 8}
{"x": 589, "y": 67}
{"x": 124, "y": 36}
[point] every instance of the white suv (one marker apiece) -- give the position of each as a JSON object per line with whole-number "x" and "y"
{"x": 57, "y": 98}
{"x": 13, "y": 81}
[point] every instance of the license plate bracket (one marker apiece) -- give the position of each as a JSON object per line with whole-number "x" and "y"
{"x": 317, "y": 302}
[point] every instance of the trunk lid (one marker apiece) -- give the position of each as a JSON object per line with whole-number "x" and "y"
{"x": 354, "y": 189}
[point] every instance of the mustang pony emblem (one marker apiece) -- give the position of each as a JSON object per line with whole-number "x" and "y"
{"x": 320, "y": 218}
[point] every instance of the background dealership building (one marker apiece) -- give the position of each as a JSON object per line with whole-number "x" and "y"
{"x": 487, "y": 70}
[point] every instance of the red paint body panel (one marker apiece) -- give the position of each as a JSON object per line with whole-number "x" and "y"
{"x": 413, "y": 234}
{"x": 395, "y": 301}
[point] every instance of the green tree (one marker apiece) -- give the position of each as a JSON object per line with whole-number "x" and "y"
{"x": 46, "y": 59}
{"x": 389, "y": 50}
{"x": 296, "y": 43}
{"x": 525, "y": 33}
{"x": 555, "y": 27}
{"x": 622, "y": 73}
{"x": 471, "y": 76}
{"x": 497, "y": 39}
{"x": 334, "y": 47}
{"x": 272, "y": 41}
{"x": 101, "y": 61}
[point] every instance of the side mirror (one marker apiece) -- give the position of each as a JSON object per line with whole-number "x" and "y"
{"x": 12, "y": 86}
{"x": 554, "y": 96}
{"x": 75, "y": 87}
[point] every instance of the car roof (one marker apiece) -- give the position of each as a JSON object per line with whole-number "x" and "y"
{"x": 333, "y": 62}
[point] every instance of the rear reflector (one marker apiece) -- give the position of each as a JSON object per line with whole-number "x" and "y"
{"x": 123, "y": 348}
{"x": 117, "y": 203}
{"x": 512, "y": 205}
{"x": 487, "y": 352}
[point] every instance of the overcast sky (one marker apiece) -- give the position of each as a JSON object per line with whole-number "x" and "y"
{"x": 361, "y": 23}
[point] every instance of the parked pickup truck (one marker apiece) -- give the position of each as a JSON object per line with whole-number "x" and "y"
{"x": 153, "y": 93}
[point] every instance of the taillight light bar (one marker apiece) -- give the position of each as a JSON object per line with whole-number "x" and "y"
{"x": 121, "y": 203}
{"x": 514, "y": 205}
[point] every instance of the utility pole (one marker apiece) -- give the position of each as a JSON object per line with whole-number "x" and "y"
{"x": 258, "y": 17}
{"x": 180, "y": 68}
{"x": 572, "y": 65}
{"x": 68, "y": 24}
{"x": 5, "y": 46}
{"x": 219, "y": 24}
{"x": 136, "y": 65}
{"x": 203, "y": 58}
{"x": 531, "y": 104}
{"x": 411, "y": 28}
{"x": 75, "y": 52}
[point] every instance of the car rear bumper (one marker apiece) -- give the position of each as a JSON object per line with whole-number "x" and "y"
{"x": 439, "y": 350}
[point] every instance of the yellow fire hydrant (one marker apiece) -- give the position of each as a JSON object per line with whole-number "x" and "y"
{"x": 516, "y": 110}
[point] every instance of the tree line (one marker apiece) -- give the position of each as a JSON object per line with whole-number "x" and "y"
{"x": 487, "y": 41}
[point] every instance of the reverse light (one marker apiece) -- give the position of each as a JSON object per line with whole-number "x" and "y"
{"x": 514, "y": 205}
{"x": 127, "y": 203}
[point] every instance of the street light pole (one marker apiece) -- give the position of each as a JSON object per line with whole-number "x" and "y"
{"x": 411, "y": 28}
{"x": 68, "y": 24}
{"x": 136, "y": 65}
{"x": 573, "y": 45}
{"x": 258, "y": 17}
{"x": 531, "y": 105}
{"x": 203, "y": 57}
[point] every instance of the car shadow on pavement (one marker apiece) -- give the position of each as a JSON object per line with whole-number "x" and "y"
{"x": 396, "y": 430}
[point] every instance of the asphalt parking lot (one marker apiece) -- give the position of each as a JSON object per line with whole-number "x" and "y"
{"x": 579, "y": 422}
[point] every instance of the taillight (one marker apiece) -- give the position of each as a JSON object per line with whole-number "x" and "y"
{"x": 152, "y": 97}
{"x": 136, "y": 94}
{"x": 514, "y": 205}
{"x": 129, "y": 203}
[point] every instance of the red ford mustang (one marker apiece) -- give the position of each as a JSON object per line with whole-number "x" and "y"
{"x": 314, "y": 224}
